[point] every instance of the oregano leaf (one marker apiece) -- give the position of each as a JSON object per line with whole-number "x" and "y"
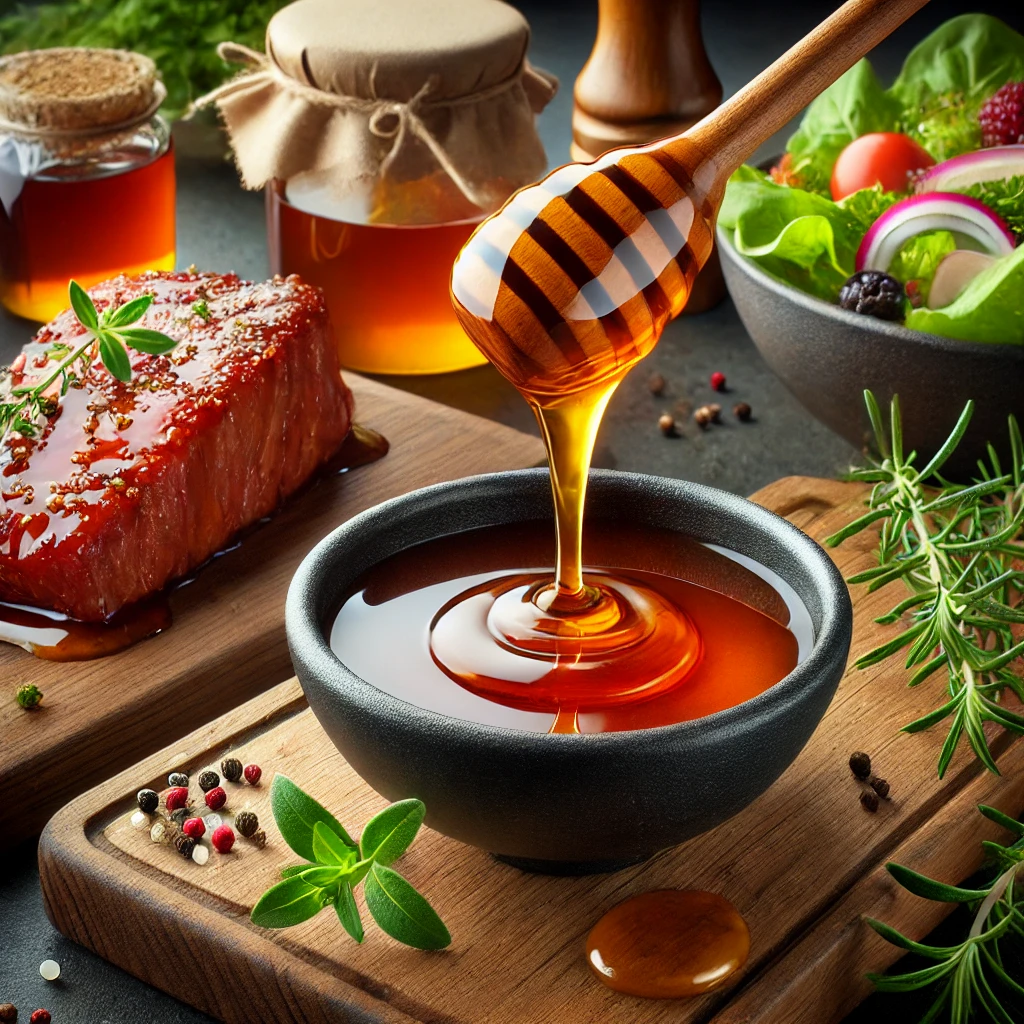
{"x": 289, "y": 902}
{"x": 329, "y": 848}
{"x": 387, "y": 835}
{"x": 144, "y": 339}
{"x": 348, "y": 912}
{"x": 114, "y": 357}
{"x": 128, "y": 313}
{"x": 297, "y": 813}
{"x": 83, "y": 306}
{"x": 401, "y": 911}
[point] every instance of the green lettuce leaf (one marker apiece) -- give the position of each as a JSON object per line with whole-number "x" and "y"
{"x": 920, "y": 256}
{"x": 853, "y": 106}
{"x": 989, "y": 309}
{"x": 800, "y": 237}
{"x": 971, "y": 56}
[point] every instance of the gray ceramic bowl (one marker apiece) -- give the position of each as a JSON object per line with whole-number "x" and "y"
{"x": 827, "y": 356}
{"x": 567, "y": 803}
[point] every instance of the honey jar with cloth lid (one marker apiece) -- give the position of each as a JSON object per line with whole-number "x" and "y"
{"x": 383, "y": 132}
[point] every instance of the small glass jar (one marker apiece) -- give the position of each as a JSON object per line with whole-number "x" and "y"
{"x": 383, "y": 135}
{"x": 87, "y": 182}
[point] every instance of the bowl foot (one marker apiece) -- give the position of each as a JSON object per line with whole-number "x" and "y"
{"x": 569, "y": 867}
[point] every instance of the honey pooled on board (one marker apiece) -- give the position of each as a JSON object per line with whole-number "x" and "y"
{"x": 668, "y": 944}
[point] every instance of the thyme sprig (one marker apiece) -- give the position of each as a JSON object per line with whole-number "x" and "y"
{"x": 24, "y": 408}
{"x": 973, "y": 974}
{"x": 954, "y": 547}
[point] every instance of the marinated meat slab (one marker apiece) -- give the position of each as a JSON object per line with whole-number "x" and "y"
{"x": 129, "y": 486}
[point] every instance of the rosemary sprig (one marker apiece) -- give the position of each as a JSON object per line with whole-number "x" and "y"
{"x": 954, "y": 547}
{"x": 973, "y": 974}
{"x": 24, "y": 408}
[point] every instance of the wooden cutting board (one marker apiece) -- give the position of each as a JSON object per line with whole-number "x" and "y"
{"x": 802, "y": 863}
{"x": 227, "y": 640}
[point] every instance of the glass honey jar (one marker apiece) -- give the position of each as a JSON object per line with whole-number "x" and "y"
{"x": 383, "y": 133}
{"x": 86, "y": 174}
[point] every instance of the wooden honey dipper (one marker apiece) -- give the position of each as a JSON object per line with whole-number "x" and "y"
{"x": 573, "y": 280}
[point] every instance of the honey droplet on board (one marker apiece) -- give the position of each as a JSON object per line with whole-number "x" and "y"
{"x": 668, "y": 944}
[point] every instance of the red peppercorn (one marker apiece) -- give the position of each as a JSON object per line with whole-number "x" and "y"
{"x": 252, "y": 774}
{"x": 40, "y": 1017}
{"x": 223, "y": 839}
{"x": 216, "y": 798}
{"x": 176, "y": 797}
{"x": 718, "y": 381}
{"x": 194, "y": 828}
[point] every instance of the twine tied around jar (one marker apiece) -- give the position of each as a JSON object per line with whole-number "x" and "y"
{"x": 251, "y": 96}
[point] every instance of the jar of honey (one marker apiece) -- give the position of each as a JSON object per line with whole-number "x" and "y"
{"x": 86, "y": 174}
{"x": 383, "y": 134}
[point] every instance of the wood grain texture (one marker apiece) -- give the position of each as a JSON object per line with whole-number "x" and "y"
{"x": 227, "y": 642}
{"x": 801, "y": 864}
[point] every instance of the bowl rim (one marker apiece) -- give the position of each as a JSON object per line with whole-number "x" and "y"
{"x": 872, "y": 324}
{"x": 831, "y": 641}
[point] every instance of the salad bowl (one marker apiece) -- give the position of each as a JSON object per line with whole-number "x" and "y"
{"x": 827, "y": 356}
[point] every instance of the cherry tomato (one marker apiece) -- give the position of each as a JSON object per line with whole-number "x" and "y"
{"x": 885, "y": 158}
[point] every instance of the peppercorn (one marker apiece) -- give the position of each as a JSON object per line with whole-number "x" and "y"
{"x": 8, "y": 1013}
{"x": 667, "y": 424}
{"x": 148, "y": 799}
{"x": 216, "y": 798}
{"x": 716, "y": 412}
{"x": 223, "y": 839}
{"x": 869, "y": 800}
{"x": 194, "y": 828}
{"x": 184, "y": 845}
{"x": 158, "y": 833}
{"x": 702, "y": 417}
{"x": 259, "y": 839}
{"x": 208, "y": 780}
{"x": 176, "y": 798}
{"x": 881, "y": 787}
{"x": 717, "y": 381}
{"x": 656, "y": 384}
{"x": 177, "y": 779}
{"x": 179, "y": 816}
{"x": 28, "y": 696}
{"x": 40, "y": 1017}
{"x": 742, "y": 412}
{"x": 860, "y": 764}
{"x": 246, "y": 822}
{"x": 253, "y": 773}
{"x": 231, "y": 768}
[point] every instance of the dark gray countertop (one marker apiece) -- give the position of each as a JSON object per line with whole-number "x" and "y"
{"x": 221, "y": 227}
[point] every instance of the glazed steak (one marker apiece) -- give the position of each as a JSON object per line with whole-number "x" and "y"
{"x": 129, "y": 486}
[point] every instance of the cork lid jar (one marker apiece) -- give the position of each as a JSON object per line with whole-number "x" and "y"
{"x": 404, "y": 111}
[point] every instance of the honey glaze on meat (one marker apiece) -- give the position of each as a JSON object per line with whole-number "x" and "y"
{"x": 131, "y": 485}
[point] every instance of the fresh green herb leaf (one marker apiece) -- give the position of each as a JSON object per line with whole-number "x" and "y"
{"x": 114, "y": 356}
{"x": 83, "y": 306}
{"x": 348, "y": 912}
{"x": 289, "y": 902}
{"x": 313, "y": 833}
{"x": 202, "y": 310}
{"x": 132, "y": 310}
{"x": 956, "y": 548}
{"x": 402, "y": 912}
{"x": 143, "y": 339}
{"x": 297, "y": 813}
{"x": 328, "y": 848}
{"x": 389, "y": 834}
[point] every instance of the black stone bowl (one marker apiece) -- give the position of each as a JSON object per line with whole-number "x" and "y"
{"x": 827, "y": 356}
{"x": 567, "y": 803}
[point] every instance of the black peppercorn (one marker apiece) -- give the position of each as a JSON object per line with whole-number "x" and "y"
{"x": 656, "y": 384}
{"x": 180, "y": 815}
{"x": 246, "y": 822}
{"x": 149, "y": 800}
{"x": 869, "y": 800}
{"x": 232, "y": 769}
{"x": 184, "y": 845}
{"x": 208, "y": 780}
{"x": 742, "y": 411}
{"x": 8, "y": 1013}
{"x": 881, "y": 787}
{"x": 860, "y": 764}
{"x": 177, "y": 779}
{"x": 259, "y": 837}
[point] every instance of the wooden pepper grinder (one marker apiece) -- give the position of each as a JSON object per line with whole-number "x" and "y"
{"x": 647, "y": 77}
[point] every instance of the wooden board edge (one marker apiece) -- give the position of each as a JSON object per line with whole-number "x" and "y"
{"x": 77, "y": 877}
{"x": 822, "y": 976}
